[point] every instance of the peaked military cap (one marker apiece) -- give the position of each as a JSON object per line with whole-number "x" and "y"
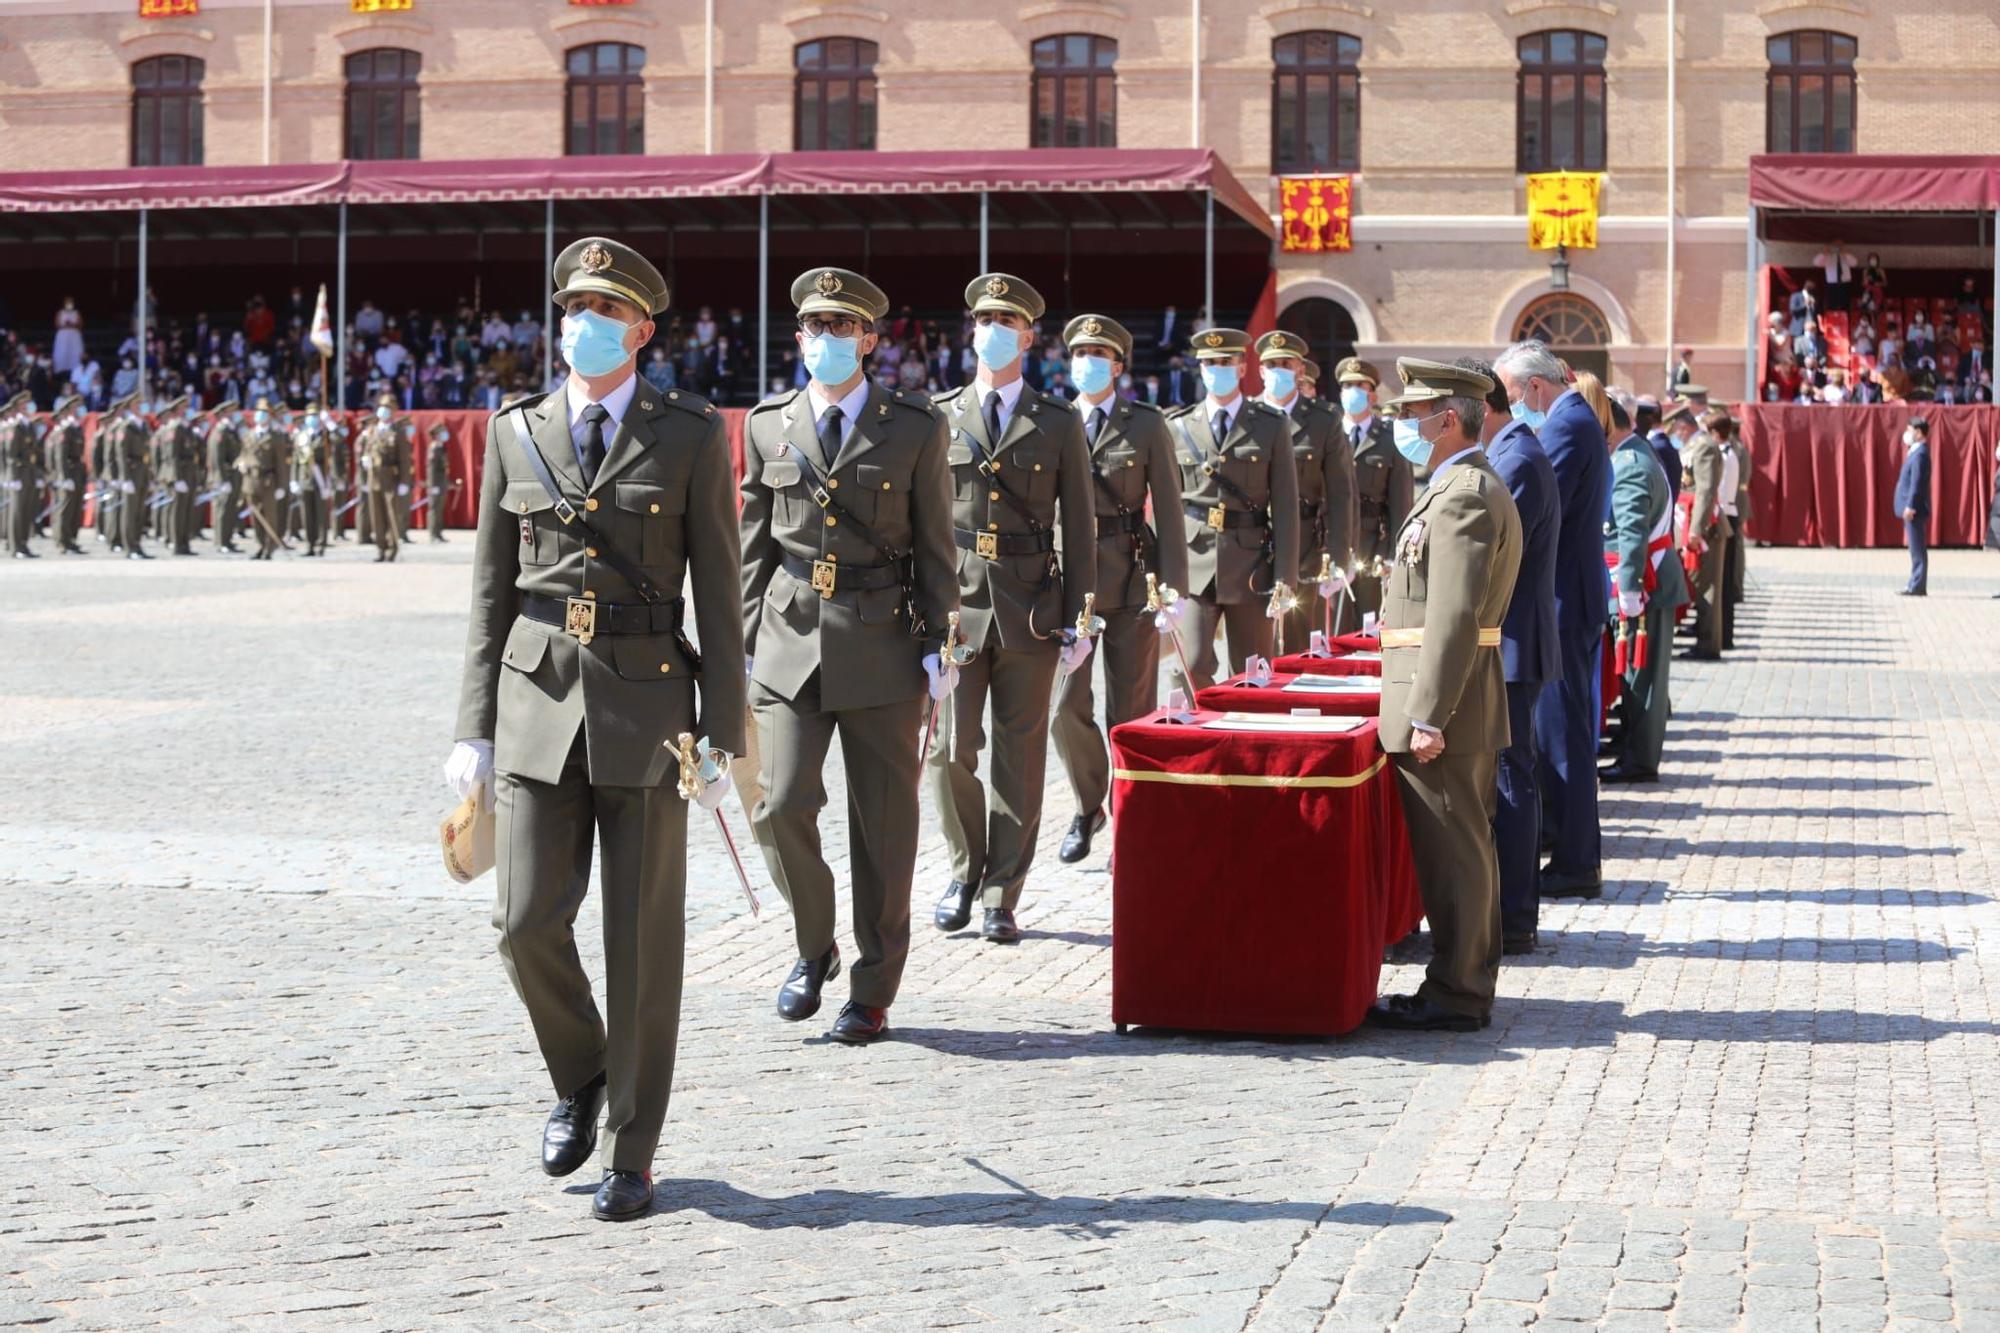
{"x": 173, "y": 404}
{"x": 228, "y": 404}
{"x": 1216, "y": 343}
{"x": 1679, "y": 410}
{"x": 599, "y": 264}
{"x": 838, "y": 291}
{"x": 385, "y": 399}
{"x": 1279, "y": 343}
{"x": 1004, "y": 292}
{"x": 1099, "y": 331}
{"x": 1429, "y": 381}
{"x": 1353, "y": 370}
{"x": 66, "y": 402}
{"x": 263, "y": 404}
{"x": 1693, "y": 391}
{"x": 1309, "y": 372}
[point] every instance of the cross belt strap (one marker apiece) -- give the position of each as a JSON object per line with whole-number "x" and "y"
{"x": 993, "y": 545}
{"x": 611, "y": 617}
{"x": 1489, "y": 637}
{"x": 818, "y": 573}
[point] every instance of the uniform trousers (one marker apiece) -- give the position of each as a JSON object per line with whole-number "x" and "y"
{"x": 878, "y": 748}
{"x": 224, "y": 511}
{"x": 1643, "y": 702}
{"x": 1129, "y": 649}
{"x": 1710, "y": 609}
{"x": 1566, "y": 727}
{"x": 1517, "y": 812}
{"x": 264, "y": 518}
{"x": 1250, "y": 631}
{"x": 993, "y": 848}
{"x": 69, "y": 511}
{"x": 542, "y": 854}
{"x": 132, "y": 512}
{"x": 1448, "y": 805}
{"x": 1918, "y": 539}
{"x": 382, "y": 518}
{"x": 180, "y": 519}
{"x": 22, "y": 506}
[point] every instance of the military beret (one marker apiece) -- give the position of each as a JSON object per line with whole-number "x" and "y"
{"x": 1278, "y": 343}
{"x": 1004, "y": 291}
{"x": 1353, "y": 370}
{"x": 1679, "y": 410}
{"x": 838, "y": 291}
{"x": 1099, "y": 331}
{"x": 598, "y": 264}
{"x": 1309, "y": 372}
{"x": 1219, "y": 343}
{"x": 1428, "y": 381}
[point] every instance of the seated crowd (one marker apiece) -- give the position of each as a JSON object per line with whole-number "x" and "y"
{"x": 1852, "y": 339}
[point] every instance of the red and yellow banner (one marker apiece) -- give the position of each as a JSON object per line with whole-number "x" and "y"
{"x": 168, "y": 9}
{"x": 1317, "y": 213}
{"x": 380, "y": 6}
{"x": 1562, "y": 209}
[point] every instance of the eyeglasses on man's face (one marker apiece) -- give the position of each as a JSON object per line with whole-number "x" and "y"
{"x": 840, "y": 326}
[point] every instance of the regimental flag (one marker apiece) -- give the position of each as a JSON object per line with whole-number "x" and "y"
{"x": 1562, "y": 209}
{"x": 380, "y": 6}
{"x": 168, "y": 9}
{"x": 1317, "y": 213}
{"x": 322, "y": 329}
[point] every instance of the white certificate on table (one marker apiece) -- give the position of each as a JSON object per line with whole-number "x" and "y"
{"x": 1310, "y": 684}
{"x": 1286, "y": 724}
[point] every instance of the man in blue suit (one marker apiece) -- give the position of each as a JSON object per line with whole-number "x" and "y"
{"x": 1913, "y": 503}
{"x": 1529, "y": 657}
{"x": 1566, "y": 716}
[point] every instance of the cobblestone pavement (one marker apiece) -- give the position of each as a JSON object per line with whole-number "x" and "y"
{"x": 263, "y": 1066}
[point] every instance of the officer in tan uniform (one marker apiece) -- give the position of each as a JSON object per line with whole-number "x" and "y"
{"x": 1324, "y": 458}
{"x": 263, "y": 464}
{"x": 225, "y": 447}
{"x": 599, "y": 503}
{"x": 1444, "y": 693}
{"x": 849, "y": 579}
{"x": 1709, "y": 533}
{"x": 1019, "y": 469}
{"x": 1309, "y": 382}
{"x": 382, "y": 473}
{"x": 66, "y": 474}
{"x": 1131, "y": 463}
{"x": 1384, "y": 486}
{"x": 1240, "y": 504}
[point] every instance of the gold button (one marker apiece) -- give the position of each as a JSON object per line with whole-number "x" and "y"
{"x": 591, "y": 504}
{"x": 992, "y": 495}
{"x": 654, "y": 509}
{"x": 524, "y": 506}
{"x": 885, "y": 485}
{"x": 994, "y": 527}
{"x": 674, "y": 397}
{"x": 833, "y": 483}
{"x": 665, "y": 667}
{"x": 590, "y": 551}
{"x": 831, "y": 521}
{"x": 1038, "y": 467}
{"x": 588, "y": 593}
{"x": 1128, "y": 462}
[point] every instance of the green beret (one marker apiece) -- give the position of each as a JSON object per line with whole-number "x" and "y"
{"x": 1428, "y": 381}
{"x": 1279, "y": 343}
{"x": 1004, "y": 292}
{"x": 598, "y": 264}
{"x": 1099, "y": 331}
{"x": 1219, "y": 343}
{"x": 838, "y": 291}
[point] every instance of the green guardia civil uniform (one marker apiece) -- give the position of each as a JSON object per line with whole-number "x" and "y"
{"x": 849, "y": 575}
{"x": 1639, "y": 537}
{"x": 1131, "y": 465}
{"x": 1701, "y": 477}
{"x": 1323, "y": 456}
{"x": 1240, "y": 510}
{"x": 1457, "y": 556}
{"x": 67, "y": 473}
{"x": 225, "y": 447}
{"x": 582, "y": 685}
{"x": 1009, "y": 497}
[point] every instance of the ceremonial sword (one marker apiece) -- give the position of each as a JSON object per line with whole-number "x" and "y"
{"x": 694, "y": 777}
{"x": 955, "y": 653}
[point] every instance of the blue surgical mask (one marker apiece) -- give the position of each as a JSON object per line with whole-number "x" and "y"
{"x": 1282, "y": 383}
{"x": 381, "y": 414}
{"x": 1526, "y": 415}
{"x": 1410, "y": 442}
{"x": 1220, "y": 381}
{"x": 832, "y": 360}
{"x": 594, "y": 344}
{"x": 1354, "y": 400}
{"x": 263, "y": 418}
{"x": 1090, "y": 374}
{"x": 998, "y": 346}
{"x": 312, "y": 423}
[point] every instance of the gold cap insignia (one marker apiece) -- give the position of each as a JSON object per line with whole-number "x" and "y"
{"x": 595, "y": 259}
{"x": 1092, "y": 327}
{"x": 1403, "y": 373}
{"x": 826, "y": 284}
{"x": 996, "y": 286}
{"x": 1212, "y": 339}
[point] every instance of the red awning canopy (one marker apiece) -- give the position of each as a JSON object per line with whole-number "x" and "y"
{"x": 1853, "y": 183}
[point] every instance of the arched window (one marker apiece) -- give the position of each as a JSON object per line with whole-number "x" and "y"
{"x": 1573, "y": 328}
{"x": 1075, "y": 102}
{"x": 166, "y": 111}
{"x": 382, "y": 104}
{"x": 1316, "y": 102}
{"x": 1329, "y": 332}
{"x": 606, "y": 99}
{"x": 833, "y": 105}
{"x": 1809, "y": 93}
{"x": 1560, "y": 114}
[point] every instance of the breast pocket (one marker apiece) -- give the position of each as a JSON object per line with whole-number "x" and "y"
{"x": 1371, "y": 479}
{"x": 649, "y": 518}
{"x": 1248, "y": 467}
{"x": 529, "y": 508}
{"x": 1031, "y": 471}
{"x": 888, "y": 492}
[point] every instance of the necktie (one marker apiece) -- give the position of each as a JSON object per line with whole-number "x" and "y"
{"x": 1218, "y": 427}
{"x": 1357, "y": 437}
{"x": 829, "y": 435}
{"x": 590, "y": 454}
{"x": 1094, "y": 424}
{"x": 993, "y": 418}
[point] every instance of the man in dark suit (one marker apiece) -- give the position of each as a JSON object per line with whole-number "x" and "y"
{"x": 1646, "y": 423}
{"x": 1913, "y": 503}
{"x": 1177, "y": 386}
{"x": 1566, "y": 716}
{"x": 1528, "y": 656}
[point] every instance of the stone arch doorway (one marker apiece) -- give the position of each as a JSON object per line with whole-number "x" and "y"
{"x": 1573, "y": 327}
{"x": 1328, "y": 330}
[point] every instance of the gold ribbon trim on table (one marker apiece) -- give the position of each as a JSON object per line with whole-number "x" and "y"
{"x": 1249, "y": 779}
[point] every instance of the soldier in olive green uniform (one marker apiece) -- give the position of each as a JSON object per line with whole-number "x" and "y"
{"x": 1444, "y": 693}
{"x": 1131, "y": 463}
{"x": 1019, "y": 466}
{"x": 103, "y": 479}
{"x": 406, "y": 461}
{"x": 310, "y": 460}
{"x": 437, "y": 481}
{"x": 20, "y": 481}
{"x": 849, "y": 576}
{"x": 225, "y": 447}
{"x": 1709, "y": 532}
{"x": 263, "y": 464}
{"x": 382, "y": 474}
{"x": 578, "y": 681}
{"x": 1240, "y": 504}
{"x": 67, "y": 475}
{"x": 179, "y": 454}
{"x": 1737, "y": 507}
{"x": 1384, "y": 486}
{"x": 131, "y": 465}
{"x": 1324, "y": 459}
{"x": 1309, "y": 383}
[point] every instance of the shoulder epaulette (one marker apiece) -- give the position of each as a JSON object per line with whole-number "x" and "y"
{"x": 1141, "y": 405}
{"x": 1259, "y": 405}
{"x": 1181, "y": 411}
{"x": 692, "y": 403}
{"x": 915, "y": 402}
{"x": 776, "y": 401}
{"x": 947, "y": 395}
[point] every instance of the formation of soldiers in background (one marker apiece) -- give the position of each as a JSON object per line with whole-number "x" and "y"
{"x": 173, "y": 473}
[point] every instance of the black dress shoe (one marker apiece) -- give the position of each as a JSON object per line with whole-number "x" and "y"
{"x": 1700, "y": 655}
{"x": 859, "y": 1024}
{"x": 570, "y": 1136}
{"x": 1562, "y": 884}
{"x": 799, "y": 997}
{"x": 999, "y": 927}
{"x": 954, "y": 910}
{"x": 1076, "y": 843}
{"x": 1516, "y": 942}
{"x": 1624, "y": 772}
{"x": 623, "y": 1196}
{"x": 137, "y": 555}
{"x": 1410, "y": 1013}
{"x": 26, "y": 555}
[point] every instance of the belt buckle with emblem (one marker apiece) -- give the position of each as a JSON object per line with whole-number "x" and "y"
{"x": 986, "y": 545}
{"x": 580, "y": 618}
{"x": 823, "y": 577}
{"x": 1216, "y": 517}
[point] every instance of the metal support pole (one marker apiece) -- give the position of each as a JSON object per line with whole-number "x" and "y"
{"x": 145, "y": 385}
{"x": 1995, "y": 238}
{"x": 708, "y": 78}
{"x": 1208, "y": 261}
{"x": 1194, "y": 92}
{"x": 764, "y": 295}
{"x": 548, "y": 267}
{"x": 1673, "y": 191}
{"x": 983, "y": 266}
{"x": 268, "y": 6}
{"x": 1752, "y": 278}
{"x": 340, "y": 309}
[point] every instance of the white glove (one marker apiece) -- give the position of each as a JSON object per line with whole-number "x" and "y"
{"x": 944, "y": 679}
{"x": 126, "y": 487}
{"x": 13, "y": 485}
{"x": 1334, "y": 584}
{"x": 710, "y": 797}
{"x": 470, "y": 765}
{"x": 403, "y": 490}
{"x": 67, "y": 484}
{"x": 281, "y": 492}
{"x": 1077, "y": 652}
{"x": 1631, "y": 604}
{"x": 180, "y": 488}
{"x": 1169, "y": 617}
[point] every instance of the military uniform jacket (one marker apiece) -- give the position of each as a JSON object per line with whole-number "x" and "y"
{"x": 1132, "y": 459}
{"x": 129, "y": 459}
{"x": 1042, "y": 459}
{"x": 663, "y": 496}
{"x": 1642, "y": 512}
{"x": 438, "y": 476}
{"x": 1457, "y": 556}
{"x": 225, "y": 446}
{"x": 1701, "y": 475}
{"x": 65, "y": 452}
{"x": 174, "y": 452}
{"x": 890, "y": 475}
{"x": 1257, "y": 459}
{"x": 1384, "y": 488}
{"x": 382, "y": 446}
{"x": 260, "y": 460}
{"x": 22, "y": 450}
{"x": 1327, "y": 509}
{"x": 309, "y": 463}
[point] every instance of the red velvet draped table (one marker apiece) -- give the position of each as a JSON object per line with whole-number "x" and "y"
{"x": 1344, "y": 662}
{"x": 1238, "y": 695}
{"x": 1256, "y": 877}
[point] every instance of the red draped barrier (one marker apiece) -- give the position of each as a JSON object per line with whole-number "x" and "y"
{"x": 1826, "y": 476}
